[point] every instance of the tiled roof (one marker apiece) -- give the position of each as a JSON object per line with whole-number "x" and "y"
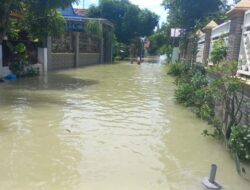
{"x": 212, "y": 24}
{"x": 241, "y": 6}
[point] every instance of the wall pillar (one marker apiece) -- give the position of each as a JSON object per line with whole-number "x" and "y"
{"x": 207, "y": 44}
{"x": 235, "y": 35}
{"x": 208, "y": 33}
{"x": 77, "y": 49}
{"x": 236, "y": 15}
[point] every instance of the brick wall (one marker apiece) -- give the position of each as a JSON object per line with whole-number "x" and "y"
{"x": 207, "y": 44}
{"x": 235, "y": 35}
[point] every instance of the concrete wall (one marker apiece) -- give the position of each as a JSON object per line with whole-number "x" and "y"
{"x": 62, "y": 61}
{"x": 88, "y": 59}
{"x": 244, "y": 110}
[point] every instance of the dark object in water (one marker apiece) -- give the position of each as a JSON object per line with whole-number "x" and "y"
{"x": 10, "y": 77}
{"x": 69, "y": 131}
{"x": 1, "y": 80}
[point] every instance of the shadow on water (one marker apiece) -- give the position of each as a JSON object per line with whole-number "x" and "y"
{"x": 53, "y": 82}
{"x": 37, "y": 90}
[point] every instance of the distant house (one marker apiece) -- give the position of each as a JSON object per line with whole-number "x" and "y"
{"x": 81, "y": 12}
{"x": 77, "y": 47}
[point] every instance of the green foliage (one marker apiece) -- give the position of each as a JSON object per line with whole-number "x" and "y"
{"x": 190, "y": 93}
{"x": 43, "y": 24}
{"x": 239, "y": 142}
{"x": 23, "y": 69}
{"x": 129, "y": 20}
{"x": 193, "y": 91}
{"x": 202, "y": 91}
{"x": 160, "y": 41}
{"x": 19, "y": 65}
{"x": 219, "y": 51}
{"x": 229, "y": 90}
{"x": 39, "y": 18}
{"x": 178, "y": 69}
{"x": 93, "y": 27}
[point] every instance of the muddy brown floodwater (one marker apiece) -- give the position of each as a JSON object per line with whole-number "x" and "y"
{"x": 106, "y": 127}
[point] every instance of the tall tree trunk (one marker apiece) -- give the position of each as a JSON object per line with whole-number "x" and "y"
{"x": 4, "y": 17}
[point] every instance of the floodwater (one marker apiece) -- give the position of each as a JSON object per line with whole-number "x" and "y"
{"x": 106, "y": 127}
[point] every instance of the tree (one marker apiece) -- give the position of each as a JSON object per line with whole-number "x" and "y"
{"x": 39, "y": 17}
{"x": 160, "y": 41}
{"x": 129, "y": 20}
{"x": 187, "y": 13}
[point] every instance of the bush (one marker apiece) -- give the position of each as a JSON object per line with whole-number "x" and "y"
{"x": 23, "y": 69}
{"x": 189, "y": 91}
{"x": 178, "y": 69}
{"x": 239, "y": 142}
{"x": 17, "y": 68}
{"x": 19, "y": 65}
{"x": 184, "y": 94}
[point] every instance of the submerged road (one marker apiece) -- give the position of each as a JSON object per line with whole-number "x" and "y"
{"x": 105, "y": 127}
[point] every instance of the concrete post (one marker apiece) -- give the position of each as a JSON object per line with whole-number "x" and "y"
{"x": 1, "y": 60}
{"x": 111, "y": 47}
{"x": 101, "y": 44}
{"x": 77, "y": 49}
{"x": 208, "y": 32}
{"x": 49, "y": 52}
{"x": 1, "y": 56}
{"x": 43, "y": 58}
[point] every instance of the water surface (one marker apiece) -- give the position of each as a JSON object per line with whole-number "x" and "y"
{"x": 106, "y": 127}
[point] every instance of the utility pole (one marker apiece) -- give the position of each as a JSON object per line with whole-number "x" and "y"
{"x": 83, "y": 4}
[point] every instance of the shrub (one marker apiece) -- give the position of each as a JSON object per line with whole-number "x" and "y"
{"x": 23, "y": 69}
{"x": 178, "y": 69}
{"x": 184, "y": 94}
{"x": 189, "y": 91}
{"x": 239, "y": 142}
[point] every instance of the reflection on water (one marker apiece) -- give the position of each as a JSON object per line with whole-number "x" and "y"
{"x": 109, "y": 127}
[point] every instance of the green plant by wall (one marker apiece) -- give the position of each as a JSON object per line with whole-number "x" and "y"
{"x": 93, "y": 27}
{"x": 239, "y": 142}
{"x": 219, "y": 51}
{"x": 20, "y": 66}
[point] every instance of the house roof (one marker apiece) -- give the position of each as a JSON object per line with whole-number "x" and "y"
{"x": 212, "y": 24}
{"x": 78, "y": 15}
{"x": 242, "y": 6}
{"x": 69, "y": 12}
{"x": 81, "y": 12}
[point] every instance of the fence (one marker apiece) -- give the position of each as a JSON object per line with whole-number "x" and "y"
{"x": 236, "y": 33}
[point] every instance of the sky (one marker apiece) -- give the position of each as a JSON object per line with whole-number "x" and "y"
{"x": 153, "y": 5}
